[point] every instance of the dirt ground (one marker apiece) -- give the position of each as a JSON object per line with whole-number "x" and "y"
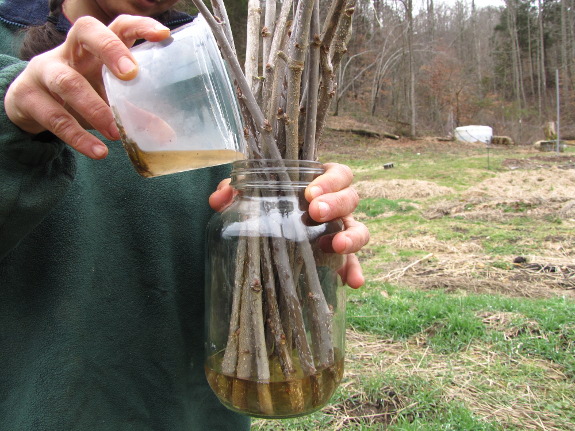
{"x": 542, "y": 186}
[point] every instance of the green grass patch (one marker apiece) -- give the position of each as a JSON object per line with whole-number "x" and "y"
{"x": 376, "y": 206}
{"x": 449, "y": 323}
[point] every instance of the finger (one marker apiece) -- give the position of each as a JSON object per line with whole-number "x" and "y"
{"x": 156, "y": 127}
{"x": 110, "y": 45}
{"x": 130, "y": 28}
{"x": 350, "y": 240}
{"x": 54, "y": 117}
{"x": 76, "y": 92}
{"x": 336, "y": 177}
{"x": 333, "y": 205}
{"x": 351, "y": 273}
{"x": 223, "y": 196}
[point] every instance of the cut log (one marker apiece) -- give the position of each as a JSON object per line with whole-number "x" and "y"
{"x": 365, "y": 132}
{"x": 502, "y": 140}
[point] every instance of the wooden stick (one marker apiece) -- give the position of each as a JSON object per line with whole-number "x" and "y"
{"x": 342, "y": 35}
{"x": 257, "y": 322}
{"x": 268, "y": 30}
{"x": 281, "y": 343}
{"x": 244, "y": 370}
{"x": 250, "y": 101}
{"x": 250, "y": 131}
{"x": 309, "y": 144}
{"x": 271, "y": 75}
{"x": 293, "y": 304}
{"x": 230, "y": 359}
{"x": 275, "y": 324}
{"x": 245, "y": 367}
{"x": 276, "y": 105}
{"x": 296, "y": 54}
{"x": 327, "y": 72}
{"x": 321, "y": 314}
{"x": 252, "y": 42}
{"x": 221, "y": 14}
{"x": 334, "y": 43}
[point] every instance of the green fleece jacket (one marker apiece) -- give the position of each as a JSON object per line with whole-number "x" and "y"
{"x": 101, "y": 288}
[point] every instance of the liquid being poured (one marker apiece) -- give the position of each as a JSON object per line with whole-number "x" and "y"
{"x": 156, "y": 163}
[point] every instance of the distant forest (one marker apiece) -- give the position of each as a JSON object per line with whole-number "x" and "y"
{"x": 425, "y": 68}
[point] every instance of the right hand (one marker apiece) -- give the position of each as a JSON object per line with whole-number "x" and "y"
{"x": 61, "y": 90}
{"x": 332, "y": 190}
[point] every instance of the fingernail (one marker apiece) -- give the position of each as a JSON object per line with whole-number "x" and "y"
{"x": 348, "y": 245}
{"x": 323, "y": 209}
{"x": 160, "y": 27}
{"x": 99, "y": 151}
{"x": 315, "y": 191}
{"x": 126, "y": 65}
{"x": 113, "y": 131}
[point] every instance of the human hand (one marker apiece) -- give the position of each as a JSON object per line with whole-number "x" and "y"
{"x": 331, "y": 197}
{"x": 61, "y": 90}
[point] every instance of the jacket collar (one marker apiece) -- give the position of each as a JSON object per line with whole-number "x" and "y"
{"x": 34, "y": 12}
{"x": 24, "y": 13}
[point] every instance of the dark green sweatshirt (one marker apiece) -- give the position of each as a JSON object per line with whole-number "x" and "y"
{"x": 101, "y": 286}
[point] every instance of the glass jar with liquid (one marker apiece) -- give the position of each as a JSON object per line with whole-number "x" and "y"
{"x": 275, "y": 305}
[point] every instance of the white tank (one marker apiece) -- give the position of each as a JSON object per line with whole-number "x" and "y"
{"x": 474, "y": 134}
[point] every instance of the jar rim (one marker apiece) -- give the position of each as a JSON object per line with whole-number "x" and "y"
{"x": 244, "y": 163}
{"x": 267, "y": 173}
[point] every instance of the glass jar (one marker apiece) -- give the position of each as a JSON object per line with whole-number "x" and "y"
{"x": 275, "y": 306}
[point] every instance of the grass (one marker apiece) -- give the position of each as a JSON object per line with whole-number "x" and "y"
{"x": 449, "y": 332}
{"x": 373, "y": 207}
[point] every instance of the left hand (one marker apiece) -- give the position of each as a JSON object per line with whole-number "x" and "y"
{"x": 61, "y": 90}
{"x": 330, "y": 197}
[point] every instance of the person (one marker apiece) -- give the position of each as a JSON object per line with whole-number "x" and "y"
{"x": 101, "y": 270}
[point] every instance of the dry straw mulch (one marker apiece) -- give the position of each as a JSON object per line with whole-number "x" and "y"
{"x": 476, "y": 386}
{"x": 463, "y": 269}
{"x": 463, "y": 266}
{"x": 553, "y": 183}
{"x": 400, "y": 189}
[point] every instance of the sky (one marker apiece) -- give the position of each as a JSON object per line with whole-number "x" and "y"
{"x": 478, "y": 3}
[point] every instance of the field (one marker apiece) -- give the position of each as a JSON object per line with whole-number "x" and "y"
{"x": 467, "y": 319}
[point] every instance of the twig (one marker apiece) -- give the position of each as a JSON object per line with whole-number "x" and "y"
{"x": 398, "y": 273}
{"x": 268, "y": 30}
{"x": 320, "y": 313}
{"x": 274, "y": 321}
{"x": 327, "y": 70}
{"x": 272, "y": 75}
{"x": 250, "y": 101}
{"x": 343, "y": 34}
{"x": 337, "y": 49}
{"x": 252, "y": 42}
{"x": 296, "y": 55}
{"x": 256, "y": 312}
{"x": 309, "y": 143}
{"x": 221, "y": 14}
{"x": 294, "y": 307}
{"x": 230, "y": 360}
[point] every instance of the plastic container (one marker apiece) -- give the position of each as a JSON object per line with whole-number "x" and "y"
{"x": 275, "y": 305}
{"x": 180, "y": 112}
{"x": 474, "y": 134}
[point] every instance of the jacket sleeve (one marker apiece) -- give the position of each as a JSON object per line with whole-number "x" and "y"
{"x": 35, "y": 170}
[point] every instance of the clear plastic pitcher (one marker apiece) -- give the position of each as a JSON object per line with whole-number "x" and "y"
{"x": 180, "y": 112}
